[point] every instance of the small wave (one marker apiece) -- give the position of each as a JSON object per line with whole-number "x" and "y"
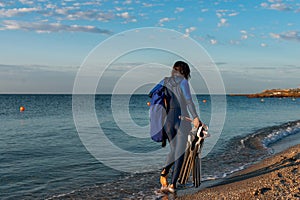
{"x": 242, "y": 151}
{"x": 276, "y": 135}
{"x": 225, "y": 174}
{"x": 234, "y": 170}
{"x": 264, "y": 137}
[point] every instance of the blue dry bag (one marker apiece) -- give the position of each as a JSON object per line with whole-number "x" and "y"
{"x": 157, "y": 113}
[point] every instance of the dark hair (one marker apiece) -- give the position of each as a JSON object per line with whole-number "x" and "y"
{"x": 183, "y": 68}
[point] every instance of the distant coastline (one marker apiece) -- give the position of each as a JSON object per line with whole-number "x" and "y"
{"x": 274, "y": 93}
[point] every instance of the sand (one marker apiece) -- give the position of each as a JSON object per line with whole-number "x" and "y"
{"x": 277, "y": 177}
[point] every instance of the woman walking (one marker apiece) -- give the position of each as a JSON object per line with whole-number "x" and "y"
{"x": 179, "y": 103}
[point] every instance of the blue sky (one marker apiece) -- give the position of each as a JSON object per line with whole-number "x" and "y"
{"x": 255, "y": 44}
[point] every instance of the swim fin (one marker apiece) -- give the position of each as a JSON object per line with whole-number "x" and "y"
{"x": 192, "y": 158}
{"x": 184, "y": 172}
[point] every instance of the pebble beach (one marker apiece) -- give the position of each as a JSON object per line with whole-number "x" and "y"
{"x": 277, "y": 177}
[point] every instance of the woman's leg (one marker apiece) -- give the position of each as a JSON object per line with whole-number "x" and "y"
{"x": 171, "y": 156}
{"x": 170, "y": 132}
{"x": 183, "y": 129}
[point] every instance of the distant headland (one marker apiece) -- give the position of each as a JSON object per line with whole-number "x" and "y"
{"x": 279, "y": 93}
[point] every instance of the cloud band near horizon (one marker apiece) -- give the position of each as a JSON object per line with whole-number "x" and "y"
{"x": 41, "y": 27}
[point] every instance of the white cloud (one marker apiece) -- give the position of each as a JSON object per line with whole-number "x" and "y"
{"x": 279, "y": 6}
{"x": 263, "y": 45}
{"x": 210, "y": 37}
{"x": 243, "y": 32}
{"x": 275, "y": 36}
{"x": 76, "y": 4}
{"x": 178, "y": 10}
{"x": 189, "y": 30}
{"x": 165, "y": 19}
{"x": 276, "y": 5}
{"x": 127, "y": 2}
{"x": 233, "y": 14}
{"x": 51, "y": 10}
{"x": 62, "y": 11}
{"x": 31, "y": 68}
{"x": 147, "y": 5}
{"x": 244, "y": 37}
{"x": 264, "y": 5}
{"x": 91, "y": 3}
{"x": 16, "y": 11}
{"x": 222, "y": 22}
{"x": 89, "y": 10}
{"x": 124, "y": 15}
{"x": 219, "y": 15}
{"x": 26, "y": 2}
{"x": 40, "y": 27}
{"x": 289, "y": 35}
{"x": 51, "y": 6}
{"x": 2, "y": 4}
{"x": 223, "y": 13}
{"x": 213, "y": 41}
{"x": 89, "y": 15}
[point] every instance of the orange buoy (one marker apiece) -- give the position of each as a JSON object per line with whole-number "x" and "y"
{"x": 22, "y": 108}
{"x": 148, "y": 103}
{"x": 204, "y": 100}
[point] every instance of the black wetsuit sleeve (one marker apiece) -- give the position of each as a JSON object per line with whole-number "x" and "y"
{"x": 188, "y": 98}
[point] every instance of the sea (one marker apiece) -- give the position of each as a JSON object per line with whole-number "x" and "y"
{"x": 44, "y": 153}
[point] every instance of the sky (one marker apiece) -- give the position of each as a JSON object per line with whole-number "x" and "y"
{"x": 254, "y": 44}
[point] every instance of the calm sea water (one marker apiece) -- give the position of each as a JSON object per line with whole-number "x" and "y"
{"x": 42, "y": 155}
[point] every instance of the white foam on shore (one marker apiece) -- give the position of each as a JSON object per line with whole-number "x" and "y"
{"x": 60, "y": 195}
{"x": 224, "y": 175}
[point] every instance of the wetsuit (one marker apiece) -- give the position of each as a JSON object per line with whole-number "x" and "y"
{"x": 179, "y": 103}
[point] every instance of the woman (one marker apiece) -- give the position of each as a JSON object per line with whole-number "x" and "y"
{"x": 179, "y": 103}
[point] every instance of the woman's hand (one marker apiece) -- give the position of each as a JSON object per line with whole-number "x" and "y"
{"x": 196, "y": 122}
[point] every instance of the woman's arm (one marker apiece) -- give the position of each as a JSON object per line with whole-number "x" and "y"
{"x": 189, "y": 101}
